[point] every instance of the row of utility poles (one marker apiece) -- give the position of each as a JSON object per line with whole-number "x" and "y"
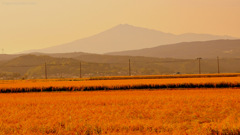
{"x": 80, "y": 69}
{"x": 199, "y": 65}
{"x": 129, "y": 67}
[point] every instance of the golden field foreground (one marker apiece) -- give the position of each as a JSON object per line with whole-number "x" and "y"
{"x": 123, "y": 84}
{"x": 198, "y": 111}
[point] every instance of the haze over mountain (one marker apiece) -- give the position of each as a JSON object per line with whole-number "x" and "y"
{"x": 126, "y": 37}
{"x": 190, "y": 50}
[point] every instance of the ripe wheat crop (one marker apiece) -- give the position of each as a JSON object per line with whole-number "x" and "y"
{"x": 201, "y": 111}
{"x": 165, "y": 76}
{"x": 91, "y": 85}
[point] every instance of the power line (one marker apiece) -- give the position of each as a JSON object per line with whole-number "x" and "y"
{"x": 75, "y": 64}
{"x": 23, "y": 66}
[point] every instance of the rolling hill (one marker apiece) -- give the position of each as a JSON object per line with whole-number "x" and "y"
{"x": 125, "y": 37}
{"x": 6, "y": 57}
{"x": 33, "y": 66}
{"x": 190, "y": 50}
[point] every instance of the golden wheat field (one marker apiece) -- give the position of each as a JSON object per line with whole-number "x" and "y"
{"x": 169, "y": 110}
{"x": 197, "y": 111}
{"x": 89, "y": 85}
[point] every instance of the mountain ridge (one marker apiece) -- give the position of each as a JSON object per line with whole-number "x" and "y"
{"x": 125, "y": 37}
{"x": 188, "y": 50}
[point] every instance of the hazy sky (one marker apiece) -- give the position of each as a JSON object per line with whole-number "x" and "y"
{"x": 34, "y": 24}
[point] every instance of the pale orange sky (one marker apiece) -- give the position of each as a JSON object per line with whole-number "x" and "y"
{"x": 34, "y": 24}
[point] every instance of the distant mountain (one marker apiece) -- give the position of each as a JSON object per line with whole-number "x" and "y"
{"x": 190, "y": 50}
{"x": 126, "y": 37}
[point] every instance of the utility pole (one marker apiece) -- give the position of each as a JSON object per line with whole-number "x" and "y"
{"x": 80, "y": 69}
{"x": 45, "y": 70}
{"x": 199, "y": 64}
{"x": 61, "y": 66}
{"x": 218, "y": 64}
{"x": 129, "y": 64}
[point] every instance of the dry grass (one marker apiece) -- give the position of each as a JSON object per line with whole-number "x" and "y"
{"x": 201, "y": 111}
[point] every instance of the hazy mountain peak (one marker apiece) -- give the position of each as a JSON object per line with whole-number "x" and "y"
{"x": 132, "y": 28}
{"x": 124, "y": 25}
{"x": 126, "y": 37}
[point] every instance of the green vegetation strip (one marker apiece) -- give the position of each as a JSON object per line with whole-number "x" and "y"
{"x": 123, "y": 87}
